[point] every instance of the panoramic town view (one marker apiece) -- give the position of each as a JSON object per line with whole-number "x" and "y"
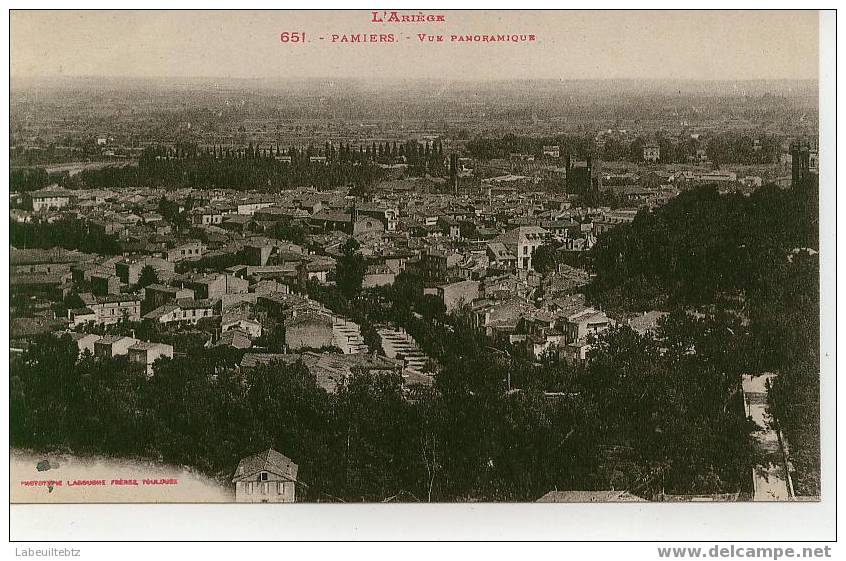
{"x": 355, "y": 290}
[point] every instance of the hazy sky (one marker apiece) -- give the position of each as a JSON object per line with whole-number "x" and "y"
{"x": 569, "y": 45}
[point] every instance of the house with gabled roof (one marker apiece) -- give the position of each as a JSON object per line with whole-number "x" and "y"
{"x": 266, "y": 477}
{"x": 522, "y": 242}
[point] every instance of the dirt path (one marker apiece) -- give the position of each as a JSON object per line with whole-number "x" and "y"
{"x": 770, "y": 477}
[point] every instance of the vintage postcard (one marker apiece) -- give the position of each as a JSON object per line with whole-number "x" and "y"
{"x": 414, "y": 256}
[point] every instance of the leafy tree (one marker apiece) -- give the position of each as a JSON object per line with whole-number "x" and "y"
{"x": 376, "y": 459}
{"x": 148, "y": 276}
{"x": 750, "y": 263}
{"x": 701, "y": 244}
{"x": 795, "y": 401}
{"x": 291, "y": 231}
{"x": 157, "y": 167}
{"x": 28, "y": 179}
{"x": 545, "y": 258}
{"x": 66, "y": 233}
{"x": 636, "y": 150}
{"x": 600, "y": 198}
{"x": 351, "y": 269}
{"x": 170, "y": 212}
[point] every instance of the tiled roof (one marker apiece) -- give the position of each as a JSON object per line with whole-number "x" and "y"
{"x": 111, "y": 339}
{"x": 251, "y": 360}
{"x": 590, "y": 497}
{"x": 160, "y": 311}
{"x": 271, "y": 461}
{"x": 117, "y": 298}
{"x": 235, "y": 338}
{"x": 163, "y": 288}
{"x": 53, "y": 255}
{"x": 332, "y": 216}
{"x": 36, "y": 278}
{"x": 146, "y": 346}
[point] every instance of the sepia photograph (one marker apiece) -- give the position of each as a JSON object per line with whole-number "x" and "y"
{"x": 415, "y": 256}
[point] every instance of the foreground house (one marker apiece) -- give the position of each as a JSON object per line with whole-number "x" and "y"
{"x": 266, "y": 477}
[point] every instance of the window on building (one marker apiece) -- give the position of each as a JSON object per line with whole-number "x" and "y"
{"x": 263, "y": 476}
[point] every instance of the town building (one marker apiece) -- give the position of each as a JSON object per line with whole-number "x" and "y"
{"x": 522, "y": 242}
{"x": 651, "y": 153}
{"x": 110, "y": 309}
{"x": 156, "y": 295}
{"x": 51, "y": 198}
{"x": 455, "y": 294}
{"x": 129, "y": 269}
{"x": 146, "y": 353}
{"x": 183, "y": 310}
{"x": 113, "y": 345}
{"x": 188, "y": 250}
{"x": 308, "y": 331}
{"x": 217, "y": 285}
{"x": 266, "y": 477}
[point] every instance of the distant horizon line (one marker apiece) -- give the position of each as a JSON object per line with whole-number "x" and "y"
{"x": 13, "y": 76}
